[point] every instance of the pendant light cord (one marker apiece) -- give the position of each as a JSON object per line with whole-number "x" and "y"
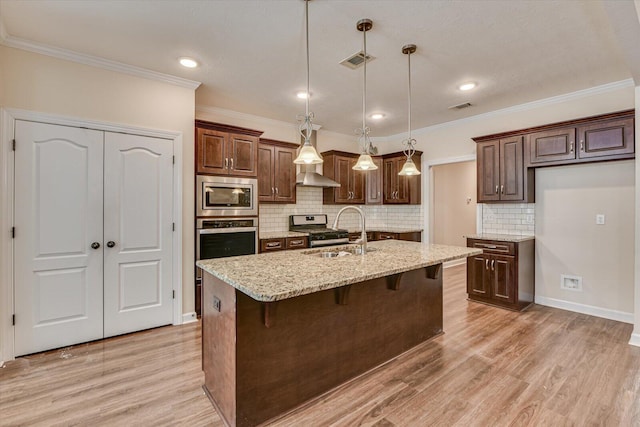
{"x": 364, "y": 87}
{"x": 306, "y": 11}
{"x": 409, "y": 80}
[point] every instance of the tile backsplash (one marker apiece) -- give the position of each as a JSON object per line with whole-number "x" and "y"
{"x": 275, "y": 217}
{"x": 508, "y": 218}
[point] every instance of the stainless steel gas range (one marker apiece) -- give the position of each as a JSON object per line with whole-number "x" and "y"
{"x": 316, "y": 226}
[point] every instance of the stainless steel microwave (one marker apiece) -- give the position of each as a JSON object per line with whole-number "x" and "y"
{"x": 226, "y": 196}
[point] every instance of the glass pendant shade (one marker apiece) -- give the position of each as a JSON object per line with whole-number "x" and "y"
{"x": 409, "y": 168}
{"x": 364, "y": 163}
{"x": 308, "y": 155}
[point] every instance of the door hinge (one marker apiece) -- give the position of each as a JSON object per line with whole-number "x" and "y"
{"x": 13, "y": 232}
{"x": 173, "y": 226}
{"x": 13, "y": 320}
{"x": 174, "y": 294}
{"x": 13, "y": 145}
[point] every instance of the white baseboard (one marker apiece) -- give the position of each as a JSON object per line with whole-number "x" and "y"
{"x": 620, "y": 316}
{"x": 455, "y": 262}
{"x": 189, "y": 317}
{"x": 635, "y": 340}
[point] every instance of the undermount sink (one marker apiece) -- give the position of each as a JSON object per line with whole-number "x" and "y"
{"x": 357, "y": 250}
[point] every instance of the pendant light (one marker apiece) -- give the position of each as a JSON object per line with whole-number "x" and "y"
{"x": 308, "y": 154}
{"x": 409, "y": 144}
{"x": 365, "y": 162}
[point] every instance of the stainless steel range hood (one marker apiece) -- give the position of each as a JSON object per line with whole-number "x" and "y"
{"x": 308, "y": 177}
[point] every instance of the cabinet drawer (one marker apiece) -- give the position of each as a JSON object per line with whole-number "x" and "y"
{"x": 493, "y": 246}
{"x": 297, "y": 242}
{"x": 270, "y": 245}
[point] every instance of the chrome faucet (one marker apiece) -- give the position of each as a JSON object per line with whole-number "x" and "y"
{"x": 363, "y": 236}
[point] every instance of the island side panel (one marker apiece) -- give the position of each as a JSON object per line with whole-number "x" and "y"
{"x": 315, "y": 344}
{"x": 219, "y": 346}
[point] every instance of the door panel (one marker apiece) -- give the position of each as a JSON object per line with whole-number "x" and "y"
{"x": 138, "y": 219}
{"x": 477, "y": 271}
{"x": 511, "y": 172}
{"x": 488, "y": 171}
{"x": 503, "y": 269}
{"x": 243, "y": 155}
{"x": 285, "y": 171}
{"x": 266, "y": 185}
{"x": 58, "y": 215}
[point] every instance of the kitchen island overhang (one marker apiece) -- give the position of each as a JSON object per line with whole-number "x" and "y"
{"x": 280, "y": 329}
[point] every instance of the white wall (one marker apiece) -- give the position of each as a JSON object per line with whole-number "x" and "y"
{"x": 44, "y": 84}
{"x": 568, "y": 241}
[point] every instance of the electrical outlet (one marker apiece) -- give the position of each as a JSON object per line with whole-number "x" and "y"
{"x": 571, "y": 283}
{"x": 600, "y": 219}
{"x": 216, "y": 303}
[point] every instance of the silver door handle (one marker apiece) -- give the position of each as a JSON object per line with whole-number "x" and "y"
{"x": 571, "y": 147}
{"x": 272, "y": 191}
{"x": 582, "y": 145}
{"x": 276, "y": 191}
{"x": 496, "y": 189}
{"x": 493, "y": 265}
{"x": 486, "y": 264}
{"x": 226, "y": 163}
{"x": 502, "y": 189}
{"x": 231, "y": 163}
{"x": 378, "y": 194}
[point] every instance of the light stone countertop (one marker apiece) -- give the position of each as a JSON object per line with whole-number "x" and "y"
{"x": 387, "y": 230}
{"x": 500, "y": 237}
{"x": 280, "y": 234}
{"x": 286, "y": 274}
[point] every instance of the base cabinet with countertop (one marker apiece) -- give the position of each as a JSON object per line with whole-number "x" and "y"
{"x": 503, "y": 274}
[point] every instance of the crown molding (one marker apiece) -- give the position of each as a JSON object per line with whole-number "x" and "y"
{"x": 559, "y": 99}
{"x": 237, "y": 115}
{"x": 14, "y": 42}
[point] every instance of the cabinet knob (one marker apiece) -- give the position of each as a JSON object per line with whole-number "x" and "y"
{"x": 95, "y": 245}
{"x": 111, "y": 244}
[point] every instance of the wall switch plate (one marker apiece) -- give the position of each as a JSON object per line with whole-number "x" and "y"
{"x": 216, "y": 303}
{"x": 600, "y": 219}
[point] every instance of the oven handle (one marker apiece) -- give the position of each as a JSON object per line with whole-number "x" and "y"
{"x": 226, "y": 230}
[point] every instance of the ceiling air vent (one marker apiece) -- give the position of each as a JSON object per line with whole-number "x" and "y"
{"x": 356, "y": 60}
{"x": 460, "y": 106}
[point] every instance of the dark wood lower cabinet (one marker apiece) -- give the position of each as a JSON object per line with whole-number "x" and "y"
{"x": 503, "y": 275}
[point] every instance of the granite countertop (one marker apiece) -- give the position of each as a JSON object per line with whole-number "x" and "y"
{"x": 500, "y": 237}
{"x": 387, "y": 230}
{"x": 286, "y": 274}
{"x": 280, "y": 234}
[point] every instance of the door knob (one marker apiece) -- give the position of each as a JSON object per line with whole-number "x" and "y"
{"x": 95, "y": 245}
{"x": 111, "y": 244}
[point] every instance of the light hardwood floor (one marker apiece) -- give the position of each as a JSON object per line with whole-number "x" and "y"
{"x": 492, "y": 367}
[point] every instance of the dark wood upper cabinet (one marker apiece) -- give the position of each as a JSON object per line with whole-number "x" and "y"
{"x": 500, "y": 171}
{"x": 226, "y": 150}
{"x": 552, "y": 145}
{"x": 276, "y": 171}
{"x": 338, "y": 166}
{"x": 398, "y": 190}
{"x": 374, "y": 183}
{"x": 506, "y": 162}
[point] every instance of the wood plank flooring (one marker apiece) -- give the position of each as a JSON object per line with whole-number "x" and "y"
{"x": 492, "y": 367}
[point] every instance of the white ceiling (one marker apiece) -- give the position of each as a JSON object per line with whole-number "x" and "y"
{"x": 253, "y": 60}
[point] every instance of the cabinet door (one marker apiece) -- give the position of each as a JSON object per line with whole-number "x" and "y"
{"x": 374, "y": 183}
{"x": 488, "y": 167}
{"x": 390, "y": 180}
{"x": 610, "y": 138}
{"x": 243, "y": 155}
{"x": 284, "y": 175}
{"x": 266, "y": 167}
{"x": 552, "y": 145}
{"x": 211, "y": 152}
{"x": 357, "y": 181}
{"x": 478, "y": 275}
{"x": 511, "y": 169}
{"x": 342, "y": 173}
{"x": 503, "y": 278}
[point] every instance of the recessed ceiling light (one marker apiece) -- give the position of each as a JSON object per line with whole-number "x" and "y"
{"x": 377, "y": 116}
{"x": 188, "y": 62}
{"x": 467, "y": 86}
{"x": 302, "y": 95}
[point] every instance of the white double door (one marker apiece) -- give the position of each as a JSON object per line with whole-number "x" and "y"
{"x": 93, "y": 235}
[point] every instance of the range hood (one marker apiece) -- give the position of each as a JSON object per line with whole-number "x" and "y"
{"x": 308, "y": 177}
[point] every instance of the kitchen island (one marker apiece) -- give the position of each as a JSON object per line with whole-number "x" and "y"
{"x": 279, "y": 329}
